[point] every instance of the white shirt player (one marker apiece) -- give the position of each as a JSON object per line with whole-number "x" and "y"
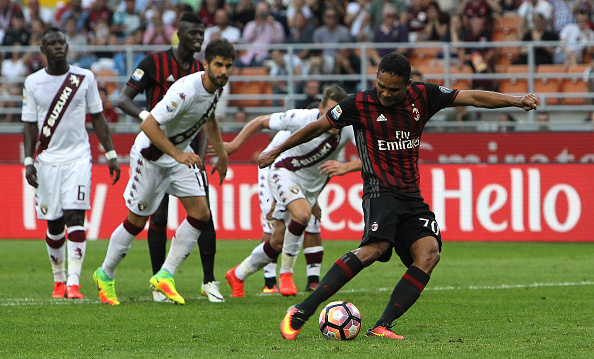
{"x": 69, "y": 139}
{"x": 305, "y": 158}
{"x": 177, "y": 114}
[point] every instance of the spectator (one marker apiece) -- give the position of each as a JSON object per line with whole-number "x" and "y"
{"x": 165, "y": 9}
{"x": 562, "y": 13}
{"x": 530, "y": 7}
{"x": 375, "y": 12}
{"x": 574, "y": 38}
{"x": 37, "y": 27}
{"x": 36, "y": 12}
{"x": 75, "y": 39}
{"x": 542, "y": 119}
{"x": 298, "y": 6}
{"x": 7, "y": 9}
{"x": 416, "y": 20}
{"x": 542, "y": 54}
{"x": 390, "y": 31}
{"x": 348, "y": 63}
{"x": 508, "y": 7}
{"x": 17, "y": 33}
{"x": 301, "y": 32}
{"x": 126, "y": 21}
{"x": 13, "y": 72}
{"x": 279, "y": 66}
{"x": 81, "y": 15}
{"x": 222, "y": 29}
{"x": 454, "y": 34}
{"x": 312, "y": 91}
{"x": 450, "y": 7}
{"x": 100, "y": 11}
{"x": 481, "y": 59}
{"x": 33, "y": 59}
{"x": 357, "y": 20}
{"x": 330, "y": 33}
{"x": 279, "y": 12}
{"x": 109, "y": 111}
{"x": 120, "y": 59}
{"x": 263, "y": 30}
{"x": 208, "y": 11}
{"x": 478, "y": 8}
{"x": 158, "y": 33}
{"x": 243, "y": 13}
{"x": 437, "y": 23}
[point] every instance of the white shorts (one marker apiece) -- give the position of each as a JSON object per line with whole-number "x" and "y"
{"x": 285, "y": 188}
{"x": 65, "y": 186}
{"x": 149, "y": 182}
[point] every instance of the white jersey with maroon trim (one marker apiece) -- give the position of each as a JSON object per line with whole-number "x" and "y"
{"x": 305, "y": 158}
{"x": 181, "y": 113}
{"x": 69, "y": 139}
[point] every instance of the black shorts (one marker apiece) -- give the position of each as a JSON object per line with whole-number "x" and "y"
{"x": 401, "y": 222}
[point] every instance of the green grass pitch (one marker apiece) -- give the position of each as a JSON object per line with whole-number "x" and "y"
{"x": 484, "y": 300}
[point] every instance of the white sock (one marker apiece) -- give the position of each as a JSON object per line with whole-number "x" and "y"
{"x": 57, "y": 257}
{"x": 287, "y": 263}
{"x": 76, "y": 256}
{"x": 291, "y": 247}
{"x": 270, "y": 270}
{"x": 253, "y": 263}
{"x": 119, "y": 243}
{"x": 183, "y": 242}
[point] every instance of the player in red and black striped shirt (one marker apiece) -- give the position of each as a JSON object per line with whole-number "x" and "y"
{"x": 153, "y": 76}
{"x": 388, "y": 121}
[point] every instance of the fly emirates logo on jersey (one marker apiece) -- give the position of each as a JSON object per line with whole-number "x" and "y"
{"x": 403, "y": 142}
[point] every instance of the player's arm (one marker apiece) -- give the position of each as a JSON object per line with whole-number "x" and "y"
{"x": 333, "y": 168}
{"x": 127, "y": 105}
{"x": 248, "y": 131}
{"x": 213, "y": 132}
{"x": 102, "y": 131}
{"x": 490, "y": 99}
{"x": 30, "y": 132}
{"x": 305, "y": 134}
{"x": 153, "y": 131}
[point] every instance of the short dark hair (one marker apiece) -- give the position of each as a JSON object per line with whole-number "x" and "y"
{"x": 51, "y": 29}
{"x": 333, "y": 92}
{"x": 219, "y": 47}
{"x": 395, "y": 65}
{"x": 190, "y": 17}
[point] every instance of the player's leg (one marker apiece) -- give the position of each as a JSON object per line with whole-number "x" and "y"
{"x": 263, "y": 254}
{"x": 76, "y": 248}
{"x": 183, "y": 243}
{"x": 314, "y": 253}
{"x": 267, "y": 204}
{"x": 157, "y": 235}
{"x": 300, "y": 214}
{"x": 55, "y": 238}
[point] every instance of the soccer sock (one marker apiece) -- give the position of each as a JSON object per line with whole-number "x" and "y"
{"x": 208, "y": 247}
{"x": 119, "y": 243}
{"x": 405, "y": 294}
{"x": 342, "y": 271}
{"x": 260, "y": 256}
{"x": 313, "y": 258}
{"x": 77, "y": 247}
{"x": 57, "y": 254}
{"x": 291, "y": 246}
{"x": 270, "y": 270}
{"x": 183, "y": 242}
{"x": 157, "y": 243}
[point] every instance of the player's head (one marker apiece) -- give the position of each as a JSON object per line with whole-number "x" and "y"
{"x": 53, "y": 44}
{"x": 218, "y": 61}
{"x": 331, "y": 96}
{"x": 393, "y": 79}
{"x": 190, "y": 32}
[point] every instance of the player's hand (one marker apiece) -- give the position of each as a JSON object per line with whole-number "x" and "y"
{"x": 316, "y": 211}
{"x": 31, "y": 175}
{"x": 269, "y": 214}
{"x": 114, "y": 170}
{"x": 332, "y": 168}
{"x": 266, "y": 158}
{"x": 229, "y": 148}
{"x": 529, "y": 102}
{"x": 221, "y": 167}
{"x": 189, "y": 159}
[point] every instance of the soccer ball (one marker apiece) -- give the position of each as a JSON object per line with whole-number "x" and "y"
{"x": 340, "y": 320}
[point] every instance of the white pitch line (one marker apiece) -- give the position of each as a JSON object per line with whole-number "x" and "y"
{"x": 12, "y": 302}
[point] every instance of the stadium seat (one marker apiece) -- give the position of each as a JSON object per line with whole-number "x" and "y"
{"x": 574, "y": 82}
{"x": 424, "y": 55}
{"x": 433, "y": 74}
{"x": 102, "y": 80}
{"x": 515, "y": 84}
{"x": 506, "y": 27}
{"x": 507, "y": 55}
{"x": 251, "y": 87}
{"x": 461, "y": 84}
{"x": 545, "y": 84}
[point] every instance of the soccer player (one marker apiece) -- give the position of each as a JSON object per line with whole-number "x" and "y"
{"x": 153, "y": 76}
{"x": 55, "y": 102}
{"x": 161, "y": 161}
{"x": 388, "y": 121}
{"x": 295, "y": 182}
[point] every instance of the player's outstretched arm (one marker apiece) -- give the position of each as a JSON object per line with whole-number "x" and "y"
{"x": 30, "y": 132}
{"x": 248, "y": 131}
{"x": 333, "y": 168}
{"x": 151, "y": 128}
{"x": 104, "y": 136}
{"x": 305, "y": 134}
{"x": 491, "y": 99}
{"x": 213, "y": 132}
{"x": 126, "y": 102}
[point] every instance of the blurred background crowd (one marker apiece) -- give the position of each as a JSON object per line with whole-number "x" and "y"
{"x": 318, "y": 22}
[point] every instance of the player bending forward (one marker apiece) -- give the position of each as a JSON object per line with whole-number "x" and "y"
{"x": 388, "y": 121}
{"x": 55, "y": 102}
{"x": 295, "y": 181}
{"x": 161, "y": 161}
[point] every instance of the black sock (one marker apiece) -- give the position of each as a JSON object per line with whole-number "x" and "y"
{"x": 207, "y": 246}
{"x": 157, "y": 243}
{"x": 270, "y": 282}
{"x": 313, "y": 279}
{"x": 404, "y": 295}
{"x": 342, "y": 271}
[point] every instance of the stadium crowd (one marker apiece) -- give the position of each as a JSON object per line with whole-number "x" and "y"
{"x": 153, "y": 22}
